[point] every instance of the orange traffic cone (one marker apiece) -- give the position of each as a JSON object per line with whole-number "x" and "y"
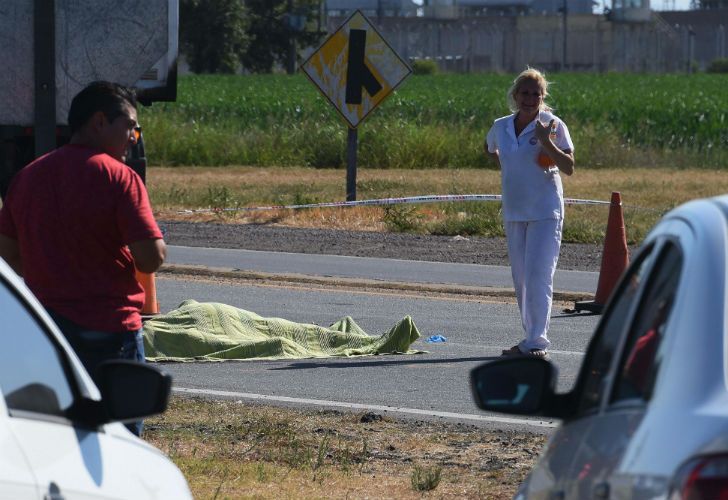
{"x": 146, "y": 280}
{"x": 615, "y": 258}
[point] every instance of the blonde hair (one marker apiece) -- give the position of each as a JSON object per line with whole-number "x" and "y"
{"x": 532, "y": 75}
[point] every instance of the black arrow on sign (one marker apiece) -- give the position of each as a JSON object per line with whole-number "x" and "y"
{"x": 358, "y": 75}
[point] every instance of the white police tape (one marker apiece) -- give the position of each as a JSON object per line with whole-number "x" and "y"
{"x": 434, "y": 198}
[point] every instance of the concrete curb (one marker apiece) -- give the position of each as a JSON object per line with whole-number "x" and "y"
{"x": 466, "y": 290}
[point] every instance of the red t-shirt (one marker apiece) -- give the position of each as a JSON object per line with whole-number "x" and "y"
{"x": 73, "y": 213}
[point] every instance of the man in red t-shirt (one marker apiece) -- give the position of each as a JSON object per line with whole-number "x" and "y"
{"x": 77, "y": 222}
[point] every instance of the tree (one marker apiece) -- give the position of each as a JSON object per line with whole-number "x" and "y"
{"x": 275, "y": 27}
{"x": 213, "y": 34}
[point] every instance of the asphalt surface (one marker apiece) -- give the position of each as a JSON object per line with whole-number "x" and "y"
{"x": 432, "y": 248}
{"x": 369, "y": 268}
{"x": 431, "y": 385}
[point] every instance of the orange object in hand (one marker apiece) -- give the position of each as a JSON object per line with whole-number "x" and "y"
{"x": 543, "y": 159}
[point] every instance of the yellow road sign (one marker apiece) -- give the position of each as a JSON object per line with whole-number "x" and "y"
{"x": 355, "y": 69}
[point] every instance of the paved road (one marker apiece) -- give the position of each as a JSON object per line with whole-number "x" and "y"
{"x": 433, "y": 384}
{"x": 370, "y": 268}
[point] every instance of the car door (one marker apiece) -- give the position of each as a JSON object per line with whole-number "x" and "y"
{"x": 627, "y": 384}
{"x": 40, "y": 380}
{"x": 37, "y": 390}
{"x": 16, "y": 479}
{"x": 553, "y": 477}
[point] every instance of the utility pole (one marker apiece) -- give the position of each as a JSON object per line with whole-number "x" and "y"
{"x": 291, "y": 66}
{"x": 321, "y": 7}
{"x": 691, "y": 49}
{"x": 565, "y": 14}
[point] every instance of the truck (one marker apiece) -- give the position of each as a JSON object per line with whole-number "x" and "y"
{"x": 51, "y": 49}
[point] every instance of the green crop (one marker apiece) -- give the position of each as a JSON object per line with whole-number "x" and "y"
{"x": 437, "y": 121}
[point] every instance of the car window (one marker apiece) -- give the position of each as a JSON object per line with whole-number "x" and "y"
{"x": 606, "y": 338}
{"x": 640, "y": 362}
{"x": 32, "y": 377}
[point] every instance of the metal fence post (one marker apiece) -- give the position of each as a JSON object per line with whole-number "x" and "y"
{"x": 351, "y": 147}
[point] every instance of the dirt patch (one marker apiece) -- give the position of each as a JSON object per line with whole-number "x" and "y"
{"x": 233, "y": 449}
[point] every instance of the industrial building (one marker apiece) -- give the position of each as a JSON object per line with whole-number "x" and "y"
{"x": 507, "y": 35}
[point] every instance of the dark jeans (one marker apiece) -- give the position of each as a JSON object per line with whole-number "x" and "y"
{"x": 94, "y": 347}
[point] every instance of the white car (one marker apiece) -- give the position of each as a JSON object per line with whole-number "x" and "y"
{"x": 59, "y": 438}
{"x": 648, "y": 415}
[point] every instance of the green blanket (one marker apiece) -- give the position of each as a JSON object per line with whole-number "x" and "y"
{"x": 212, "y": 331}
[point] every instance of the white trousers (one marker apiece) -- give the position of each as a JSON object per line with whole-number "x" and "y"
{"x": 533, "y": 249}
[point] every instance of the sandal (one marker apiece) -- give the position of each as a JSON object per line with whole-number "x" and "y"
{"x": 513, "y": 351}
{"x": 516, "y": 351}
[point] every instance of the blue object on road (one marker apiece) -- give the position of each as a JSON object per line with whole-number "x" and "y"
{"x": 436, "y": 338}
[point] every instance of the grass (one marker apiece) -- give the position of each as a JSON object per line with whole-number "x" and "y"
{"x": 437, "y": 121}
{"x": 229, "y": 449}
{"x": 647, "y": 193}
{"x": 425, "y": 478}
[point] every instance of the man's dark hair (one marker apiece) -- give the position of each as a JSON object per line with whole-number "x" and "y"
{"x": 111, "y": 98}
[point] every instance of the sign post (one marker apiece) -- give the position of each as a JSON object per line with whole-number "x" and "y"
{"x": 352, "y": 141}
{"x": 355, "y": 69}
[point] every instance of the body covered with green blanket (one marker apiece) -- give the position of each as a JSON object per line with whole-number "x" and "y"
{"x": 213, "y": 331}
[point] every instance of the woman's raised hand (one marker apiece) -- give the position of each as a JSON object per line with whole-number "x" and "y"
{"x": 543, "y": 131}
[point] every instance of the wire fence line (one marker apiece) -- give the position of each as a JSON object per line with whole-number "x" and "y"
{"x": 439, "y": 198}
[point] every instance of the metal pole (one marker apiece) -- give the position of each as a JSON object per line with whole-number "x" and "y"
{"x": 564, "y": 65}
{"x": 291, "y": 69}
{"x": 720, "y": 42}
{"x": 351, "y": 146}
{"x": 44, "y": 36}
{"x": 691, "y": 48}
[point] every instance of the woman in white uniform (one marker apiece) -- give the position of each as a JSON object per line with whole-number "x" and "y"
{"x": 532, "y": 146}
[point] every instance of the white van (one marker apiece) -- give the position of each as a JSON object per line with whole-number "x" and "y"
{"x": 60, "y": 437}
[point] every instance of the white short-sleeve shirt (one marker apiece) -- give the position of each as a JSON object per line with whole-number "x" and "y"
{"x": 529, "y": 192}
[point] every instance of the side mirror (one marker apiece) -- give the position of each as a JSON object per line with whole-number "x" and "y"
{"x": 520, "y": 386}
{"x": 132, "y": 390}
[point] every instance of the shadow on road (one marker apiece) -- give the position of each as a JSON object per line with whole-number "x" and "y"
{"x": 574, "y": 315}
{"x": 346, "y": 363}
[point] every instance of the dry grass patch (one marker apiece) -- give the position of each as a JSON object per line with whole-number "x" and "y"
{"x": 647, "y": 193}
{"x": 229, "y": 449}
